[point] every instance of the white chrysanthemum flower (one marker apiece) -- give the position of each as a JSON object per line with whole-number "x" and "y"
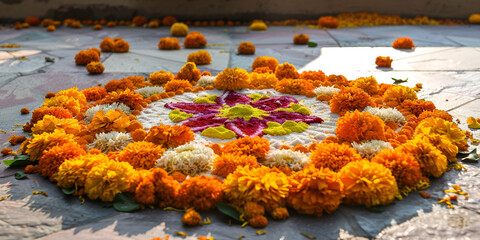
{"x": 149, "y": 91}
{"x": 286, "y": 157}
{"x": 386, "y": 114}
{"x": 370, "y": 148}
{"x": 111, "y": 142}
{"x": 326, "y": 91}
{"x": 90, "y": 113}
{"x": 205, "y": 81}
{"x": 189, "y": 159}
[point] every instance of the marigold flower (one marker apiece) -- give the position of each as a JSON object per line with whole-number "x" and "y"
{"x": 315, "y": 191}
{"x": 120, "y": 45}
{"x": 350, "y": 99}
{"x": 246, "y": 48}
{"x": 177, "y": 85}
{"x": 49, "y": 123}
{"x": 69, "y": 103}
{"x": 119, "y": 85}
{"x": 262, "y": 80}
{"x": 160, "y": 78}
{"x": 358, "y": 127}
{"x": 169, "y": 136}
{"x": 51, "y": 28}
{"x": 73, "y": 172}
{"x": 189, "y": 72}
{"x": 333, "y": 156}
{"x": 55, "y": 156}
{"x": 130, "y": 98}
{"x": 14, "y": 140}
{"x": 58, "y": 112}
{"x": 294, "y": 86}
{"x": 139, "y": 20}
{"x": 286, "y": 70}
{"x": 258, "y": 221}
{"x": 369, "y": 85}
{"x": 200, "y": 192}
{"x": 431, "y": 160}
{"x": 109, "y": 121}
{"x": 258, "y": 25}
{"x": 446, "y": 128}
{"x": 337, "y": 81}
{"x": 7, "y": 151}
{"x": 403, "y": 43}
{"x": 194, "y": 40}
{"x": 94, "y": 93}
{"x": 255, "y": 146}
{"x": 41, "y": 142}
{"x": 107, "y": 45}
{"x": 104, "y": 181}
{"x": 179, "y": 29}
{"x": 154, "y": 186}
{"x": 95, "y": 68}
{"x": 435, "y": 113}
{"x": 301, "y": 39}
{"x": 138, "y": 134}
{"x": 141, "y": 155}
{"x": 167, "y": 43}
{"x": 415, "y": 107}
{"x": 265, "y": 61}
{"x": 169, "y": 20}
{"x": 178, "y": 176}
{"x": 232, "y": 79}
{"x": 368, "y": 183}
{"x": 262, "y": 70}
{"x": 86, "y": 57}
{"x": 33, "y": 21}
{"x": 383, "y": 61}
{"x": 201, "y": 57}
{"x": 253, "y": 209}
{"x": 317, "y": 78}
{"x": 397, "y": 95}
{"x": 328, "y": 22}
{"x": 191, "y": 218}
{"x": 443, "y": 144}
{"x": 73, "y": 93}
{"x": 227, "y": 163}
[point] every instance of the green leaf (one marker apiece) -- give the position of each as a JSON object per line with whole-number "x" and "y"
{"x": 229, "y": 211}
{"x": 68, "y": 191}
{"x": 16, "y": 163}
{"x": 312, "y": 44}
{"x": 122, "y": 203}
{"x": 21, "y": 157}
{"x": 20, "y": 175}
{"x": 471, "y": 157}
{"x": 398, "y": 80}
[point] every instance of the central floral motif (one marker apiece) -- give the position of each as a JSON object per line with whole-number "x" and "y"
{"x": 243, "y": 115}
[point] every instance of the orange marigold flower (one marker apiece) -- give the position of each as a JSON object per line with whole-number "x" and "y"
{"x": 94, "y": 93}
{"x": 24, "y": 111}
{"x": 315, "y": 191}
{"x": 58, "y": 112}
{"x": 253, "y": 209}
{"x": 177, "y": 85}
{"x": 167, "y": 43}
{"x": 194, "y": 40}
{"x": 160, "y": 78}
{"x": 265, "y": 61}
{"x": 69, "y": 103}
{"x": 189, "y": 72}
{"x": 232, "y": 79}
{"x": 317, "y": 78}
{"x": 431, "y": 160}
{"x": 246, "y": 48}
{"x": 107, "y": 45}
{"x": 358, "y": 127}
{"x": 179, "y": 29}
{"x": 328, "y": 22}
{"x": 262, "y": 70}
{"x": 73, "y": 172}
{"x": 7, "y": 151}
{"x": 139, "y": 20}
{"x": 120, "y": 45}
{"x": 86, "y": 57}
{"x": 154, "y": 24}
{"x": 169, "y": 136}
{"x": 227, "y": 163}
{"x": 119, "y": 85}
{"x": 368, "y": 183}
{"x": 294, "y": 86}
{"x": 350, "y": 99}
{"x": 201, "y": 57}
{"x": 445, "y": 128}
{"x": 145, "y": 193}
{"x": 41, "y": 142}
{"x": 443, "y": 144}
{"x": 403, "y": 43}
{"x": 33, "y": 21}
{"x": 200, "y": 192}
{"x": 337, "y": 81}
{"x": 138, "y": 134}
{"x": 258, "y": 221}
{"x": 415, "y": 107}
{"x": 95, "y": 68}
{"x": 397, "y": 95}
{"x": 133, "y": 100}
{"x": 169, "y": 20}
{"x": 141, "y": 155}
{"x": 369, "y": 85}
{"x": 178, "y": 176}
{"x": 106, "y": 180}
{"x": 154, "y": 186}
{"x": 51, "y": 28}
{"x": 255, "y": 146}
{"x": 286, "y": 70}
{"x": 109, "y": 121}
{"x": 301, "y": 39}
{"x": 14, "y": 140}
{"x": 333, "y": 156}
{"x": 435, "y": 113}
{"x": 280, "y": 213}
{"x": 191, "y": 218}
{"x": 97, "y": 27}
{"x": 404, "y": 167}
{"x": 383, "y": 61}
{"x": 55, "y": 156}
{"x": 262, "y": 80}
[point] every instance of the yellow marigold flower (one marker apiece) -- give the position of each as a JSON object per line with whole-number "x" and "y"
{"x": 280, "y": 213}
{"x": 160, "y": 78}
{"x": 73, "y": 172}
{"x": 200, "y": 192}
{"x": 169, "y": 136}
{"x": 258, "y": 25}
{"x": 294, "y": 86}
{"x": 266, "y": 186}
{"x": 404, "y": 167}
{"x": 262, "y": 80}
{"x": 55, "y": 156}
{"x": 358, "y": 127}
{"x": 253, "y": 209}
{"x": 49, "y": 123}
{"x": 227, "y": 163}
{"x": 350, "y": 99}
{"x": 104, "y": 181}
{"x": 369, "y": 85}
{"x": 201, "y": 57}
{"x": 179, "y": 29}
{"x": 474, "y": 18}
{"x": 431, "y": 160}
{"x": 110, "y": 121}
{"x": 69, "y": 103}
{"x": 256, "y": 146}
{"x": 265, "y": 61}
{"x": 41, "y": 142}
{"x": 128, "y": 97}
{"x": 315, "y": 191}
{"x": 189, "y": 72}
{"x": 368, "y": 183}
{"x": 177, "y": 85}
{"x": 397, "y": 94}
{"x": 443, "y": 144}
{"x": 141, "y": 155}
{"x": 333, "y": 156}
{"x": 232, "y": 79}
{"x": 286, "y": 70}
{"x": 191, "y": 218}
{"x": 446, "y": 128}
{"x": 258, "y": 221}
{"x": 74, "y": 93}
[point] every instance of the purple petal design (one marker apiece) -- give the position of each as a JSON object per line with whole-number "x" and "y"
{"x": 254, "y": 127}
{"x": 273, "y": 103}
{"x": 232, "y": 98}
{"x": 194, "y": 107}
{"x": 202, "y": 122}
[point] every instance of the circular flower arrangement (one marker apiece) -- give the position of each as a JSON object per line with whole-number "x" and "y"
{"x": 159, "y": 142}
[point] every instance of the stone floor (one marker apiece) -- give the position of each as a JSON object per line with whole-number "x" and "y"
{"x": 446, "y": 61}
